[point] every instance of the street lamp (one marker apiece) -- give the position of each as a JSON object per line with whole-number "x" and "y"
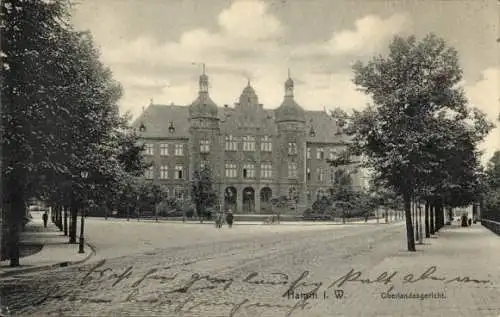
{"x": 85, "y": 175}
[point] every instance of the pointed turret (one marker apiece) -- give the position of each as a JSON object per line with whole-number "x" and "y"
{"x": 289, "y": 109}
{"x": 203, "y": 106}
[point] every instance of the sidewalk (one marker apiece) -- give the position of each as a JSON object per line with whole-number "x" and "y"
{"x": 467, "y": 272}
{"x": 55, "y": 250}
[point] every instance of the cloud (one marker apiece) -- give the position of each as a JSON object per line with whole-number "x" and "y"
{"x": 246, "y": 42}
{"x": 247, "y": 20}
{"x": 370, "y": 34}
{"x": 485, "y": 95}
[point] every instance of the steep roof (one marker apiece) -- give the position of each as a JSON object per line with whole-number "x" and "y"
{"x": 203, "y": 107}
{"x": 157, "y": 118}
{"x": 290, "y": 111}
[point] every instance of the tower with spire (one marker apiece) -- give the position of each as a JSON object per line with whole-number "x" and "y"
{"x": 290, "y": 119}
{"x": 204, "y": 130}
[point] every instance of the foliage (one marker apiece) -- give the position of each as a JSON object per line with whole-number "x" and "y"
{"x": 203, "y": 194}
{"x": 59, "y": 112}
{"x": 416, "y": 134}
{"x": 491, "y": 194}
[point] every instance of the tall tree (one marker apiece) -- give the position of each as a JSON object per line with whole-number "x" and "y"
{"x": 203, "y": 193}
{"x": 410, "y": 86}
{"x": 27, "y": 45}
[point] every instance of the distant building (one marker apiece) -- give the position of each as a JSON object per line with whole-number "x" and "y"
{"x": 254, "y": 153}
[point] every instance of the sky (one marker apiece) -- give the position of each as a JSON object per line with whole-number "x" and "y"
{"x": 155, "y": 48}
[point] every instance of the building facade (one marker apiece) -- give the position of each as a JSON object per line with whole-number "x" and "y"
{"x": 254, "y": 153}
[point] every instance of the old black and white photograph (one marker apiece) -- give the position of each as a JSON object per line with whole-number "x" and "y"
{"x": 237, "y": 158}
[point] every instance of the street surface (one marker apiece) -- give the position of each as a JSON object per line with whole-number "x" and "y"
{"x": 197, "y": 270}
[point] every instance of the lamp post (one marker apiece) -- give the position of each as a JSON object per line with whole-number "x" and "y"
{"x": 84, "y": 175}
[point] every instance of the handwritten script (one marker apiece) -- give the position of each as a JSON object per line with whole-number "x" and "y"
{"x": 180, "y": 290}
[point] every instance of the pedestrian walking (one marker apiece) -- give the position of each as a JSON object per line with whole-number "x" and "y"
{"x": 45, "y": 218}
{"x": 229, "y": 218}
{"x": 218, "y": 219}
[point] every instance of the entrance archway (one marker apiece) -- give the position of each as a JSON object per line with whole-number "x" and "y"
{"x": 230, "y": 198}
{"x": 248, "y": 200}
{"x": 265, "y": 200}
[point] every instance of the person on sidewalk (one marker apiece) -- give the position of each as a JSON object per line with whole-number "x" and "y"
{"x": 229, "y": 218}
{"x": 45, "y": 218}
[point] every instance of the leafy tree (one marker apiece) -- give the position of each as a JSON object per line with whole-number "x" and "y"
{"x": 29, "y": 106}
{"x": 343, "y": 195}
{"x": 280, "y": 204}
{"x": 491, "y": 194}
{"x": 203, "y": 193}
{"x": 412, "y": 88}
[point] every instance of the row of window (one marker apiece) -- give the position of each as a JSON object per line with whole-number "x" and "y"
{"x": 178, "y": 174}
{"x": 164, "y": 149}
{"x": 232, "y": 145}
{"x": 178, "y": 192}
{"x": 320, "y": 153}
{"x": 248, "y": 171}
{"x": 321, "y": 174}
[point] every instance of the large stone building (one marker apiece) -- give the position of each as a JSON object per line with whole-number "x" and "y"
{"x": 254, "y": 153}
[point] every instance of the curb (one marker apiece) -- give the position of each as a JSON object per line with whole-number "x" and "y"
{"x": 35, "y": 269}
{"x": 256, "y": 223}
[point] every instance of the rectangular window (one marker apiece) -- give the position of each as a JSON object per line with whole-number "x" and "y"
{"x": 149, "y": 149}
{"x": 231, "y": 143}
{"x": 308, "y": 153}
{"x": 266, "y": 144}
{"x": 164, "y": 149}
{"x": 320, "y": 153}
{"x": 292, "y": 148}
{"x": 149, "y": 173}
{"x": 204, "y": 164}
{"x": 205, "y": 145}
{"x": 231, "y": 171}
{"x": 249, "y": 143}
{"x": 179, "y": 193}
{"x": 319, "y": 174}
{"x": 179, "y": 149}
{"x": 332, "y": 154}
{"x": 248, "y": 171}
{"x": 179, "y": 172}
{"x": 308, "y": 174}
{"x": 292, "y": 169}
{"x": 164, "y": 172}
{"x": 266, "y": 170}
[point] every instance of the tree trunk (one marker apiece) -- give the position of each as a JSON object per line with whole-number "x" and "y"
{"x": 65, "y": 224}
{"x": 439, "y": 216}
{"x": 415, "y": 214}
{"x": 432, "y": 217}
{"x": 426, "y": 217}
{"x": 409, "y": 225}
{"x": 16, "y": 210}
{"x": 74, "y": 221}
{"x": 450, "y": 215}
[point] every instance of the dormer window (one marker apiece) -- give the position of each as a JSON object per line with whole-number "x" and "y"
{"x": 142, "y": 127}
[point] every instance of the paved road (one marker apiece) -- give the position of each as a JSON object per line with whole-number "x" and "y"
{"x": 245, "y": 272}
{"x": 117, "y": 237}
